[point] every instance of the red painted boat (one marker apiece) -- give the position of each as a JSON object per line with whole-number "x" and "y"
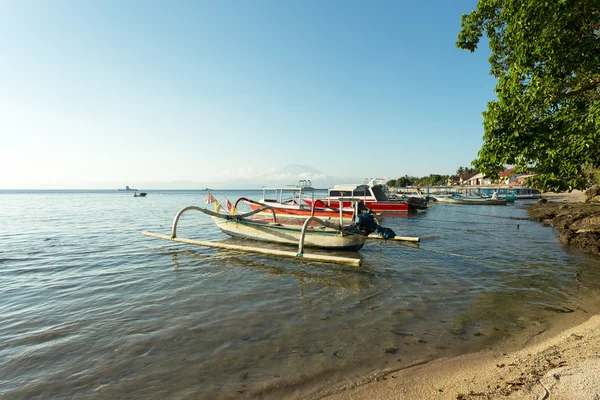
{"x": 372, "y": 194}
{"x": 288, "y": 202}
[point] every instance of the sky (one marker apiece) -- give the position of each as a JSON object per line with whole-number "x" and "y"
{"x": 235, "y": 94}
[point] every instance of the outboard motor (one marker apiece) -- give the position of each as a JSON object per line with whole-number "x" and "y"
{"x": 362, "y": 209}
{"x": 416, "y": 203}
{"x": 385, "y": 233}
{"x": 366, "y": 223}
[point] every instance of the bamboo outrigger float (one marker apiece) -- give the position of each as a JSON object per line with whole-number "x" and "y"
{"x": 326, "y": 235}
{"x": 281, "y": 253}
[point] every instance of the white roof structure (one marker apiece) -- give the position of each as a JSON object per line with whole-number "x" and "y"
{"x": 476, "y": 176}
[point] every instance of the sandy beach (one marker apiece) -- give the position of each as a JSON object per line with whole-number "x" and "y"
{"x": 561, "y": 362}
{"x": 573, "y": 197}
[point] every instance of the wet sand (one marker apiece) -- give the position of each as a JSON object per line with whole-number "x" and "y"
{"x": 574, "y": 197}
{"x": 562, "y": 362}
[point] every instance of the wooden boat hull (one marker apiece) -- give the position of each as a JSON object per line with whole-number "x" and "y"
{"x": 508, "y": 197}
{"x": 471, "y": 201}
{"x": 301, "y": 211}
{"x": 286, "y": 234}
{"x": 375, "y": 206}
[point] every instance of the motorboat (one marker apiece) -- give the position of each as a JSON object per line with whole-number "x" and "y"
{"x": 328, "y": 235}
{"x": 288, "y": 202}
{"x": 141, "y": 194}
{"x": 372, "y": 194}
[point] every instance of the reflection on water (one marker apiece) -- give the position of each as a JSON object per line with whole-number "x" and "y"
{"x": 92, "y": 308}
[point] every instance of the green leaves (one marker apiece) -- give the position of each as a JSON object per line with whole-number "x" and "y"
{"x": 546, "y": 57}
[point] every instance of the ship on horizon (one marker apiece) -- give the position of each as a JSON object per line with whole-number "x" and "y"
{"x": 128, "y": 189}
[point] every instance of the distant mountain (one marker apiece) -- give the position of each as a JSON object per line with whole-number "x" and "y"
{"x": 287, "y": 175}
{"x": 172, "y": 185}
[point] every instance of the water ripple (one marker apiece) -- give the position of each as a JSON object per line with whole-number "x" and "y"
{"x": 91, "y": 308}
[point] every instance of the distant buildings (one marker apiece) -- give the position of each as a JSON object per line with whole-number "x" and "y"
{"x": 506, "y": 177}
{"x": 463, "y": 178}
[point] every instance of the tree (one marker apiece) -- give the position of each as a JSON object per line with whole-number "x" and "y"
{"x": 465, "y": 170}
{"x": 405, "y": 181}
{"x": 546, "y": 58}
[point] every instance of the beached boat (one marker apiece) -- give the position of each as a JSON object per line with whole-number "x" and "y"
{"x": 371, "y": 193}
{"x": 472, "y": 200}
{"x": 527, "y": 193}
{"x": 287, "y": 202}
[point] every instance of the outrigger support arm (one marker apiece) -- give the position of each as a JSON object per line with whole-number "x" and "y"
{"x": 305, "y": 227}
{"x": 214, "y": 214}
{"x": 264, "y": 207}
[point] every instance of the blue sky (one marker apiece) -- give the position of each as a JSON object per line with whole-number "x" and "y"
{"x": 230, "y": 93}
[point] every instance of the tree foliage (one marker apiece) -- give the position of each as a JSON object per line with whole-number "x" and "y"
{"x": 465, "y": 170}
{"x": 546, "y": 58}
{"x": 430, "y": 180}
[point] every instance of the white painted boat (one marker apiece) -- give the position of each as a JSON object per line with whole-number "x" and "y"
{"x": 321, "y": 237}
{"x": 288, "y": 202}
{"x": 328, "y": 235}
{"x": 472, "y": 200}
{"x": 372, "y": 194}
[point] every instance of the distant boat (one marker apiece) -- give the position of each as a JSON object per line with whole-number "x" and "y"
{"x": 128, "y": 189}
{"x": 474, "y": 200}
{"x": 142, "y": 194}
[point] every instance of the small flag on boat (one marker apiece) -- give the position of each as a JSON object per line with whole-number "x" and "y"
{"x": 217, "y": 206}
{"x": 209, "y": 198}
{"x": 230, "y": 208}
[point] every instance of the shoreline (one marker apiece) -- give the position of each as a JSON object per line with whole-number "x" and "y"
{"x": 561, "y": 362}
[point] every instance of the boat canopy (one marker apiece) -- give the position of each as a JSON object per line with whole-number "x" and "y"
{"x": 362, "y": 190}
{"x": 379, "y": 193}
{"x": 288, "y": 193}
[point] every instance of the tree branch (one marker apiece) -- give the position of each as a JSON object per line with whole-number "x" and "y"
{"x": 589, "y": 86}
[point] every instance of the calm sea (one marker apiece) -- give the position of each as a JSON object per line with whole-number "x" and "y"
{"x": 90, "y": 308}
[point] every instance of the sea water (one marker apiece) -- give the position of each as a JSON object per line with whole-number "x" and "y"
{"x": 90, "y": 308}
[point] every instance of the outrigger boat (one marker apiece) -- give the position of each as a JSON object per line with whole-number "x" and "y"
{"x": 509, "y": 197}
{"x": 328, "y": 235}
{"x": 472, "y": 200}
{"x": 371, "y": 193}
{"x": 289, "y": 202}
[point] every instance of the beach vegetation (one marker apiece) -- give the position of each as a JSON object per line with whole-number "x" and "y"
{"x": 465, "y": 170}
{"x": 429, "y": 180}
{"x": 545, "y": 56}
{"x": 592, "y": 174}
